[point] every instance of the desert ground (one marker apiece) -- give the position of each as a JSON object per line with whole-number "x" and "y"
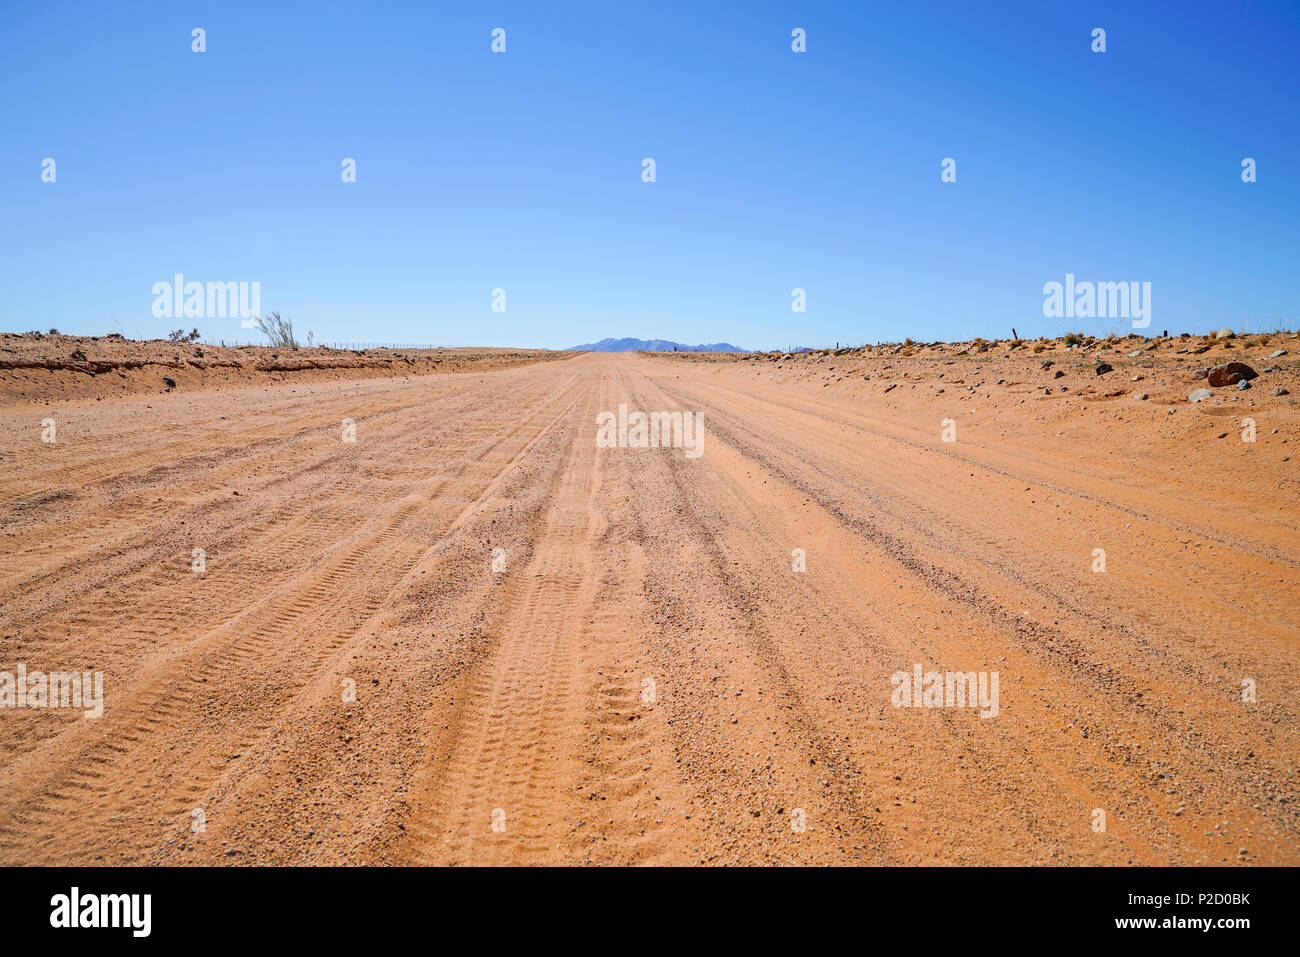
{"x": 475, "y": 635}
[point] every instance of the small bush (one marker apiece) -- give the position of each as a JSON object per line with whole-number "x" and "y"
{"x": 180, "y": 335}
{"x": 278, "y": 332}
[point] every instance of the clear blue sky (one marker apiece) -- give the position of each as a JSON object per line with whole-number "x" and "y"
{"x": 774, "y": 169}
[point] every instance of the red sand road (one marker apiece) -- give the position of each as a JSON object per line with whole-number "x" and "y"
{"x": 645, "y": 678}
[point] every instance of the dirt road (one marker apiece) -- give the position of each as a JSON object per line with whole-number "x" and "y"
{"x": 474, "y": 635}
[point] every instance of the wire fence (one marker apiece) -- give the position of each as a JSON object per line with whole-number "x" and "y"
{"x": 361, "y": 346}
{"x": 341, "y": 346}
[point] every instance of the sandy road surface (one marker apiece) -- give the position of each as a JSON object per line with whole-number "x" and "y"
{"x": 647, "y": 679}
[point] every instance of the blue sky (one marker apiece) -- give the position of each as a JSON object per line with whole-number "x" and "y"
{"x": 775, "y": 169}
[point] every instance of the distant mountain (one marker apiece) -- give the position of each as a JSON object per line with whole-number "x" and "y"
{"x": 654, "y": 345}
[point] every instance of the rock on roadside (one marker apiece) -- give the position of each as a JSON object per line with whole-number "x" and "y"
{"x": 1230, "y": 373}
